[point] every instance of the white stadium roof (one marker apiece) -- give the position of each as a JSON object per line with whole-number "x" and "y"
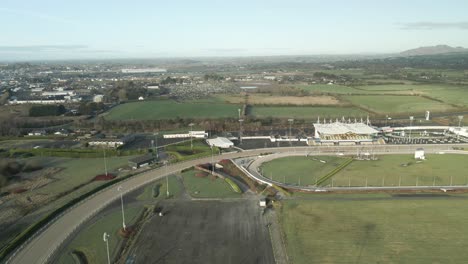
{"x": 338, "y": 128}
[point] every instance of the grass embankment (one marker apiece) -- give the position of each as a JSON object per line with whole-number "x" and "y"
{"x": 203, "y": 185}
{"x": 158, "y": 190}
{"x": 89, "y": 240}
{"x": 170, "y": 109}
{"x": 421, "y": 230}
{"x": 183, "y": 151}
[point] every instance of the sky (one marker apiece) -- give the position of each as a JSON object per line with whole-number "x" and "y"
{"x": 97, "y": 29}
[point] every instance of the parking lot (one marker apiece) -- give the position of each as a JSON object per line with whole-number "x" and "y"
{"x": 205, "y": 232}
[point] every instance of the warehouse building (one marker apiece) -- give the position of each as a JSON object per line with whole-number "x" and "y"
{"x": 141, "y": 161}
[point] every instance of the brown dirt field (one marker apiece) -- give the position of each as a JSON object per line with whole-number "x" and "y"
{"x": 264, "y": 99}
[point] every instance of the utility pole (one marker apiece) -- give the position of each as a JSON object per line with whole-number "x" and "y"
{"x": 105, "y": 237}
{"x": 119, "y": 189}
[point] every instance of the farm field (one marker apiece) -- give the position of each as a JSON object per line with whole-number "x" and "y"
{"x": 169, "y": 109}
{"x": 328, "y": 89}
{"x": 89, "y": 239}
{"x": 376, "y": 230}
{"x": 206, "y": 186}
{"x": 306, "y": 112}
{"x": 307, "y": 170}
{"x": 436, "y": 170}
{"x": 266, "y": 99}
{"x": 390, "y": 104}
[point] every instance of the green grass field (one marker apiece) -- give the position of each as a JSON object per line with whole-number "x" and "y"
{"x": 206, "y": 187}
{"x": 169, "y": 109}
{"x": 429, "y": 230}
{"x": 389, "y": 104}
{"x": 307, "y": 112}
{"x": 308, "y": 170}
{"x": 174, "y": 190}
{"x": 89, "y": 241}
{"x": 435, "y": 170}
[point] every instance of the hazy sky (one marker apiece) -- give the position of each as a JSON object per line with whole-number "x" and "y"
{"x": 53, "y": 29}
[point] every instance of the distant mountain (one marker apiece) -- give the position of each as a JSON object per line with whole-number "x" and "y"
{"x": 433, "y": 50}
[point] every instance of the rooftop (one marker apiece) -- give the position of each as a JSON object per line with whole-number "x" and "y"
{"x": 338, "y": 128}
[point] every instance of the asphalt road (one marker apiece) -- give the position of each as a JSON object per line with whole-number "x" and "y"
{"x": 41, "y": 246}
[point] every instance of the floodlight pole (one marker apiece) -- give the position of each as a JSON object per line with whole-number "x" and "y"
{"x": 240, "y": 130}
{"x": 290, "y": 123}
{"x": 105, "y": 161}
{"x": 156, "y": 141}
{"x": 411, "y": 124}
{"x": 119, "y": 189}
{"x": 212, "y": 163}
{"x": 191, "y": 136}
{"x": 460, "y": 118}
{"x": 167, "y": 179}
{"x": 105, "y": 237}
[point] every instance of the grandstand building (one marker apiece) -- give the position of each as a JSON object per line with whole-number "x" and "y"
{"x": 339, "y": 133}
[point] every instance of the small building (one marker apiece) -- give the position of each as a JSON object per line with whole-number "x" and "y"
{"x": 141, "y": 161}
{"x": 263, "y": 202}
{"x": 98, "y": 98}
{"x": 37, "y": 133}
{"x": 419, "y": 154}
{"x": 193, "y": 134}
{"x": 220, "y": 142}
{"x": 111, "y": 142}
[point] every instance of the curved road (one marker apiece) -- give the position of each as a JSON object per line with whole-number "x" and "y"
{"x": 41, "y": 246}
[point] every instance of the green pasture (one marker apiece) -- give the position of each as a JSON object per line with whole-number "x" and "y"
{"x": 375, "y": 230}
{"x": 392, "y": 104}
{"x": 169, "y": 109}
{"x": 207, "y": 187}
{"x": 306, "y": 112}
{"x": 307, "y": 170}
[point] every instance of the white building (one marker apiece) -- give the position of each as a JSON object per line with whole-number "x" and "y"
{"x": 344, "y": 133}
{"x": 98, "y": 98}
{"x": 419, "y": 154}
{"x": 193, "y": 134}
{"x": 220, "y": 142}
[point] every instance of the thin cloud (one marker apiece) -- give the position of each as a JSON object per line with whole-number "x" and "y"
{"x": 40, "y": 16}
{"x": 42, "y": 48}
{"x": 463, "y": 25}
